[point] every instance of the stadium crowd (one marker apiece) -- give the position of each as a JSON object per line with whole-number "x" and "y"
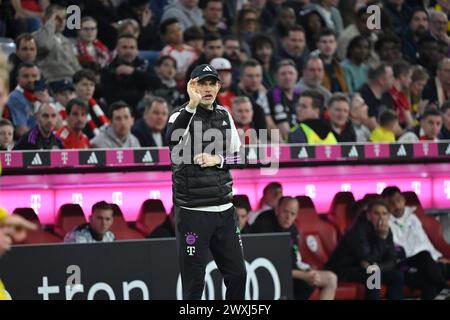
{"x": 315, "y": 70}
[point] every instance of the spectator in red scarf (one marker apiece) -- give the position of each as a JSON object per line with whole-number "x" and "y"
{"x": 20, "y": 107}
{"x": 91, "y": 52}
{"x": 84, "y": 81}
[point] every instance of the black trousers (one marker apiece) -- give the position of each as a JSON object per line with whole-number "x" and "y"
{"x": 198, "y": 232}
{"x": 394, "y": 280}
{"x": 430, "y": 277}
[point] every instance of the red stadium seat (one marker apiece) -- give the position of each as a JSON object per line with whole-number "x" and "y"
{"x": 431, "y": 226}
{"x": 318, "y": 237}
{"x": 35, "y": 236}
{"x": 120, "y": 227}
{"x": 339, "y": 213}
{"x": 317, "y": 243}
{"x": 68, "y": 217}
{"x": 151, "y": 214}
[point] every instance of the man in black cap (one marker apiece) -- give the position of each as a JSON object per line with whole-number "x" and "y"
{"x": 202, "y": 187}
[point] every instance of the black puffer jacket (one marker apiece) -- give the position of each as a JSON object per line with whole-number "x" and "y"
{"x": 194, "y": 186}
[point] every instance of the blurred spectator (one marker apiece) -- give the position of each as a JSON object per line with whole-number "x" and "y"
{"x": 243, "y": 116}
{"x": 128, "y": 76}
{"x": 305, "y": 279}
{"x": 399, "y": 14}
{"x": 29, "y": 14}
{"x": 139, "y": 10}
{"x": 388, "y": 47}
{"x": 311, "y": 128}
{"x": 213, "y": 16}
{"x": 439, "y": 26}
{"x": 235, "y": 54}
{"x": 195, "y": 38}
{"x": 85, "y": 82}
{"x": 271, "y": 195}
{"x": 118, "y": 134}
{"x": 419, "y": 79}
{"x": 166, "y": 229}
{"x": 150, "y": 129}
{"x": 437, "y": 89}
{"x": 339, "y": 116}
{"x": 106, "y": 15}
{"x": 263, "y": 50}
{"x": 283, "y": 99}
{"x": 26, "y": 51}
{"x": 165, "y": 69}
{"x": 428, "y": 130}
{"x": 334, "y": 77}
{"x": 42, "y": 136}
{"x": 332, "y": 15}
{"x": 128, "y": 26}
{"x": 369, "y": 242}
{"x": 227, "y": 90}
{"x": 21, "y": 100}
{"x": 385, "y": 131}
{"x": 357, "y": 28}
{"x": 443, "y": 6}
{"x": 432, "y": 267}
{"x": 245, "y": 26}
{"x": 269, "y": 13}
{"x": 251, "y": 86}
{"x": 98, "y": 228}
{"x": 91, "y": 52}
{"x": 359, "y": 115}
{"x": 430, "y": 53}
{"x": 186, "y": 11}
{"x": 399, "y": 93}
{"x": 185, "y": 55}
{"x": 355, "y": 66}
{"x": 418, "y": 27}
{"x": 313, "y": 75}
{"x": 72, "y": 134}
{"x": 313, "y": 23}
{"x": 4, "y": 83}
{"x": 62, "y": 91}
{"x": 213, "y": 48}
{"x": 56, "y": 57}
{"x": 284, "y": 21}
{"x": 376, "y": 92}
{"x": 293, "y": 46}
{"x": 6, "y": 135}
{"x": 445, "y": 131}
{"x": 242, "y": 211}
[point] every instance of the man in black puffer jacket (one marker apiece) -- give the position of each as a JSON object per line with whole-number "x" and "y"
{"x": 204, "y": 142}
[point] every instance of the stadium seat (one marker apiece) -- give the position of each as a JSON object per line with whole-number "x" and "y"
{"x": 318, "y": 237}
{"x": 68, "y": 217}
{"x": 151, "y": 214}
{"x": 317, "y": 243}
{"x": 35, "y": 236}
{"x": 339, "y": 213}
{"x": 120, "y": 227}
{"x": 244, "y": 199}
{"x": 431, "y": 226}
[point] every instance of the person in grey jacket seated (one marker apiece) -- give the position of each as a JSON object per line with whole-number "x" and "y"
{"x": 98, "y": 228}
{"x": 118, "y": 134}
